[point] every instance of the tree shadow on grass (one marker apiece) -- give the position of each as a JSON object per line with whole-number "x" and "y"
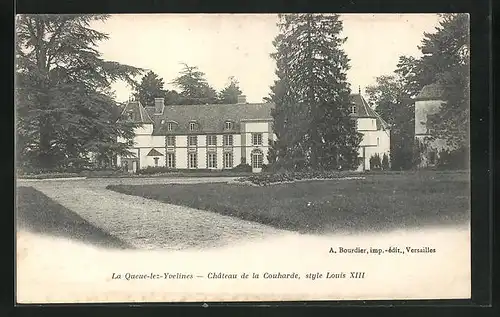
{"x": 40, "y": 214}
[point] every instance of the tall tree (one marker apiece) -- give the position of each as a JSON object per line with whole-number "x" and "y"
{"x": 230, "y": 93}
{"x": 194, "y": 87}
{"x": 150, "y": 87}
{"x": 446, "y": 60}
{"x": 63, "y": 98}
{"x": 311, "y": 116}
{"x": 391, "y": 98}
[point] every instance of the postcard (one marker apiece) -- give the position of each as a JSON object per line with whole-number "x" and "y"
{"x": 242, "y": 157}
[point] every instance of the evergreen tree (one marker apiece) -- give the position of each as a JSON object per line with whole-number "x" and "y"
{"x": 311, "y": 95}
{"x": 65, "y": 108}
{"x": 151, "y": 87}
{"x": 194, "y": 87}
{"x": 385, "y": 162}
{"x": 230, "y": 93}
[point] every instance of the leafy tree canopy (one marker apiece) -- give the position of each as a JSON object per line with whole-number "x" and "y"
{"x": 65, "y": 108}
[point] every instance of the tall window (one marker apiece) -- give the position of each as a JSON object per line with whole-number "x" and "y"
{"x": 170, "y": 160}
{"x": 353, "y": 109}
{"x": 170, "y": 140}
{"x": 192, "y": 126}
{"x": 257, "y": 138}
{"x": 211, "y": 140}
{"x": 228, "y": 125}
{"x": 228, "y": 160}
{"x": 257, "y": 159}
{"x": 212, "y": 160}
{"x": 130, "y": 115}
{"x": 169, "y": 126}
{"x": 378, "y": 141}
{"x": 193, "y": 160}
{"x": 192, "y": 140}
{"x": 228, "y": 140}
{"x": 156, "y": 161}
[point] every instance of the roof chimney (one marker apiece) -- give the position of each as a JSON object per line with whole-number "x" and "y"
{"x": 159, "y": 105}
{"x": 242, "y": 99}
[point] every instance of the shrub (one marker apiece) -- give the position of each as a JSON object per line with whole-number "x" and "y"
{"x": 375, "y": 163}
{"x": 453, "y": 159}
{"x": 242, "y": 168}
{"x": 265, "y": 179}
{"x": 150, "y": 170}
{"x": 385, "y": 162}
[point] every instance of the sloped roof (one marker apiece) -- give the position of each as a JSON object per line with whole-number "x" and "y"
{"x": 210, "y": 118}
{"x": 363, "y": 110}
{"x": 154, "y": 152}
{"x": 431, "y": 92}
{"x": 139, "y": 112}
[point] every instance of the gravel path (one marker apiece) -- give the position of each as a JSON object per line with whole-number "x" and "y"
{"x": 149, "y": 224}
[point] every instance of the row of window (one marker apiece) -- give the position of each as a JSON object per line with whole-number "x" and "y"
{"x": 257, "y": 160}
{"x": 193, "y": 126}
{"x": 212, "y": 140}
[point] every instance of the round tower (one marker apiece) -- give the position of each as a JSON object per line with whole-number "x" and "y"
{"x": 428, "y": 103}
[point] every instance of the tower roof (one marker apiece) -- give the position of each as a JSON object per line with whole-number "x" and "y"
{"x": 363, "y": 110}
{"x": 431, "y": 92}
{"x": 140, "y": 115}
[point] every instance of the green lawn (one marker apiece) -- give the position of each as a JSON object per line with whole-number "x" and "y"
{"x": 378, "y": 202}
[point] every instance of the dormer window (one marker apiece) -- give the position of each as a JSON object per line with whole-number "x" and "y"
{"x": 228, "y": 125}
{"x": 192, "y": 126}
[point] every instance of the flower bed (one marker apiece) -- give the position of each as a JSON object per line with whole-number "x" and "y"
{"x": 265, "y": 179}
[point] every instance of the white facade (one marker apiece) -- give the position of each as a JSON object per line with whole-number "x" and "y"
{"x": 250, "y": 146}
{"x": 375, "y": 141}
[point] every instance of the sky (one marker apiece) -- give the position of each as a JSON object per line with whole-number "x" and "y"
{"x": 239, "y": 45}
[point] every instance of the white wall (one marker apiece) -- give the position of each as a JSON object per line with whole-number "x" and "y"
{"x": 423, "y": 108}
{"x": 367, "y": 124}
{"x": 144, "y": 129}
{"x": 256, "y": 126}
{"x": 181, "y": 141}
{"x": 181, "y": 158}
{"x": 369, "y": 143}
{"x": 149, "y": 141}
{"x": 146, "y": 161}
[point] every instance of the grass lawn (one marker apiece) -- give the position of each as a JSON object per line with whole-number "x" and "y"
{"x": 381, "y": 201}
{"x": 38, "y": 213}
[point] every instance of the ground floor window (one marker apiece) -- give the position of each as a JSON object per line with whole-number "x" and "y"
{"x": 228, "y": 160}
{"x": 156, "y": 161}
{"x": 193, "y": 160}
{"x": 170, "y": 160}
{"x": 212, "y": 160}
{"x": 257, "y": 159}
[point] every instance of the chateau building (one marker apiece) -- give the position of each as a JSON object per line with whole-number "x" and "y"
{"x": 212, "y": 136}
{"x": 222, "y": 136}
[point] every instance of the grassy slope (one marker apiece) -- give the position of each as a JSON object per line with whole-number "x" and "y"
{"x": 38, "y": 213}
{"x": 378, "y": 202}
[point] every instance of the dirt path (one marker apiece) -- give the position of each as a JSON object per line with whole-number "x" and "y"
{"x": 145, "y": 223}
